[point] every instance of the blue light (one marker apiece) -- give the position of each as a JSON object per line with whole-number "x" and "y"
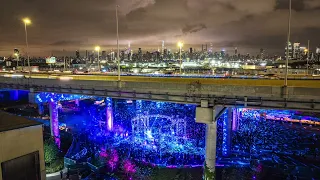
{"x": 45, "y": 97}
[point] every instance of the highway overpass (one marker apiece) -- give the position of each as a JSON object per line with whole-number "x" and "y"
{"x": 213, "y": 97}
{"x": 259, "y": 93}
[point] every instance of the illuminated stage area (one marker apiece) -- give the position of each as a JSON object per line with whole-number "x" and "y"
{"x": 141, "y": 129}
{"x": 114, "y": 133}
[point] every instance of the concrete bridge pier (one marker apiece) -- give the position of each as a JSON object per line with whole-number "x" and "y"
{"x": 209, "y": 116}
{"x": 227, "y": 132}
{"x": 54, "y": 122}
{"x": 235, "y": 119}
{"x": 211, "y": 143}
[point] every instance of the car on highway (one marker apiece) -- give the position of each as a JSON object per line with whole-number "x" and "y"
{"x": 271, "y": 76}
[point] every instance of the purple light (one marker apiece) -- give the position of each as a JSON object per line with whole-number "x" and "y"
{"x": 234, "y": 119}
{"x": 129, "y": 167}
{"x": 54, "y": 121}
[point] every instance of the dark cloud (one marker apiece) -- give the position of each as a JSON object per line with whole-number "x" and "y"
{"x": 193, "y": 28}
{"x": 81, "y": 24}
{"x": 66, "y": 43}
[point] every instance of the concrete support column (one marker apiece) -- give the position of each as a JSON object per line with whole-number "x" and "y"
{"x": 235, "y": 119}
{"x": 40, "y": 109}
{"x": 226, "y": 132}
{"x": 54, "y": 120}
{"x": 109, "y": 114}
{"x": 207, "y": 115}
{"x": 211, "y": 143}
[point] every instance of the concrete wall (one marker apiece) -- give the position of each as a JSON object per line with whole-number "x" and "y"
{"x": 19, "y": 142}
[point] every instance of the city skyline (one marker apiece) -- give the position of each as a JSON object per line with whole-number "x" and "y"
{"x": 81, "y": 25}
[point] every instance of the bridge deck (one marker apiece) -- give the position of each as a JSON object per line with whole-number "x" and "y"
{"x": 302, "y": 94}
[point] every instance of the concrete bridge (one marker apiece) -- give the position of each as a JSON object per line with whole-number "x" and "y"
{"x": 258, "y": 93}
{"x": 213, "y": 97}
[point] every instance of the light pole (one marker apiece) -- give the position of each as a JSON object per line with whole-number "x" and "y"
{"x": 26, "y": 22}
{"x": 64, "y": 61}
{"x": 117, "y": 6}
{"x": 180, "y": 45}
{"x": 308, "y": 54}
{"x": 97, "y": 48}
{"x": 288, "y": 41}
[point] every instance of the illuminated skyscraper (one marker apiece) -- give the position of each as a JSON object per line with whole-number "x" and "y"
{"x": 162, "y": 49}
{"x": 290, "y": 50}
{"x": 261, "y": 53}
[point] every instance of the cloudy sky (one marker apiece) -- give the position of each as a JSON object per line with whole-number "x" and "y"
{"x": 82, "y": 24}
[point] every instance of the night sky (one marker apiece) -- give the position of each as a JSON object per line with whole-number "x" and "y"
{"x": 82, "y": 24}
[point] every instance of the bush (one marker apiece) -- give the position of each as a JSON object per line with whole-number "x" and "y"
{"x": 55, "y": 166}
{"x": 51, "y": 151}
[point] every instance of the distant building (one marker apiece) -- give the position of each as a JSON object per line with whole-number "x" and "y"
{"x": 296, "y": 51}
{"x": 261, "y": 53}
{"x": 223, "y": 53}
{"x": 21, "y": 152}
{"x": 77, "y": 54}
{"x": 104, "y": 55}
{"x": 290, "y": 50}
{"x": 139, "y": 54}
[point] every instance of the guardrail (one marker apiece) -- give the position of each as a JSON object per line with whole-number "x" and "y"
{"x": 203, "y": 76}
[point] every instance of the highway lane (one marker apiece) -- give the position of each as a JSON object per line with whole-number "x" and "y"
{"x": 180, "y": 80}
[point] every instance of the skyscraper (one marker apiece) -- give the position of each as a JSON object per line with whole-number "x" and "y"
{"x": 140, "y": 54}
{"x": 235, "y": 51}
{"x": 190, "y": 50}
{"x": 162, "y": 48}
{"x": 77, "y": 54}
{"x": 104, "y": 55}
{"x": 261, "y": 53}
{"x": 290, "y": 50}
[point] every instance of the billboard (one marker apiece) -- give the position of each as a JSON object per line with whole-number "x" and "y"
{"x": 51, "y": 60}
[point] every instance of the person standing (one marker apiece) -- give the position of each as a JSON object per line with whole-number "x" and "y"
{"x": 61, "y": 174}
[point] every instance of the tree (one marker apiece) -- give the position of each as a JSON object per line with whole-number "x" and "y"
{"x": 50, "y": 151}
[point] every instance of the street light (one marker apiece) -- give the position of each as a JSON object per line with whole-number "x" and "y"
{"x": 308, "y": 54}
{"x": 26, "y": 22}
{"x": 117, "y": 6}
{"x": 287, "y": 54}
{"x": 97, "y": 48}
{"x": 180, "y": 45}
